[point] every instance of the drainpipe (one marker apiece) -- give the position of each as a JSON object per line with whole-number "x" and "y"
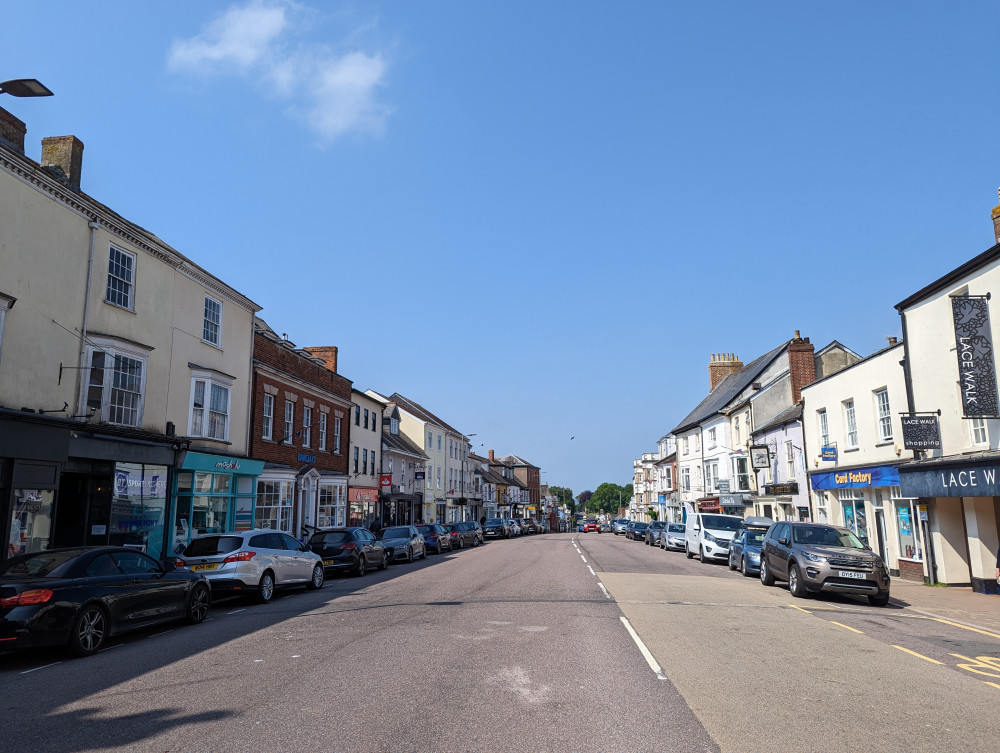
{"x": 81, "y": 402}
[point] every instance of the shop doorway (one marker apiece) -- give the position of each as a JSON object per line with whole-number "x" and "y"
{"x": 880, "y": 534}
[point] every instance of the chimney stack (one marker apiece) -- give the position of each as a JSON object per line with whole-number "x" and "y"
{"x": 327, "y": 354}
{"x": 996, "y": 222}
{"x": 64, "y": 153}
{"x": 801, "y": 364}
{"x": 491, "y": 456}
{"x": 721, "y": 366}
{"x": 12, "y": 131}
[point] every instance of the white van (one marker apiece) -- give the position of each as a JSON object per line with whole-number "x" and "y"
{"x": 708, "y": 535}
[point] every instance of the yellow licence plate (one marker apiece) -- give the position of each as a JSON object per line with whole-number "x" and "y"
{"x": 212, "y": 566}
{"x": 329, "y": 562}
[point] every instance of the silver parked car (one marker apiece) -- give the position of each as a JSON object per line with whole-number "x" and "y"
{"x": 672, "y": 537}
{"x": 252, "y": 562}
{"x": 402, "y": 543}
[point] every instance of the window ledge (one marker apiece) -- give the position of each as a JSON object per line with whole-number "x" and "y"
{"x": 214, "y": 345}
{"x": 851, "y": 449}
{"x": 887, "y": 443}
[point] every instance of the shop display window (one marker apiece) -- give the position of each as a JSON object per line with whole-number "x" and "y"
{"x": 31, "y": 521}
{"x": 908, "y": 529}
{"x": 138, "y": 507}
{"x": 274, "y": 505}
{"x": 855, "y": 513}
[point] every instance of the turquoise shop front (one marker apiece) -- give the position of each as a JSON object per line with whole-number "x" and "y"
{"x": 213, "y": 494}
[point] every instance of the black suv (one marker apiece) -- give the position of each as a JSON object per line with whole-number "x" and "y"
{"x": 816, "y": 557}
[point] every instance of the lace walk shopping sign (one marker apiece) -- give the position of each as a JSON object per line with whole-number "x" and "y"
{"x": 977, "y": 374}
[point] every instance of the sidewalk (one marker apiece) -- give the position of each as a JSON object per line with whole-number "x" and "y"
{"x": 956, "y": 604}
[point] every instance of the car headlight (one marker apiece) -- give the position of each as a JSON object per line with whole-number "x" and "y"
{"x": 813, "y": 557}
{"x": 753, "y": 556}
{"x": 710, "y": 537}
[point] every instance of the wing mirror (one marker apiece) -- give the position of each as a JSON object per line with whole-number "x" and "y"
{"x": 783, "y": 541}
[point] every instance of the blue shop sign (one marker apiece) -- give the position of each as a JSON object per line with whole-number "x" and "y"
{"x": 828, "y": 453}
{"x": 202, "y": 461}
{"x": 965, "y": 480}
{"x": 304, "y": 458}
{"x": 852, "y": 478}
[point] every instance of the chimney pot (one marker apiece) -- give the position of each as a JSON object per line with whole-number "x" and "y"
{"x": 65, "y": 153}
{"x": 996, "y": 221}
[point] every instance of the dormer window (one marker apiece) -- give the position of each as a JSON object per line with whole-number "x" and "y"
{"x": 394, "y": 426}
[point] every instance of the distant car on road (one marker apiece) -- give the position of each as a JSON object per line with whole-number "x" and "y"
{"x": 591, "y": 526}
{"x": 636, "y": 530}
{"x": 436, "y": 537}
{"x": 403, "y": 543}
{"x": 496, "y": 528}
{"x": 354, "y": 550}
{"x": 619, "y": 526}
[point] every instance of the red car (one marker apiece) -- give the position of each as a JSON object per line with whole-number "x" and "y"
{"x": 591, "y": 525}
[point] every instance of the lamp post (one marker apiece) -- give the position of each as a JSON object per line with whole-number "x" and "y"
{"x": 24, "y": 87}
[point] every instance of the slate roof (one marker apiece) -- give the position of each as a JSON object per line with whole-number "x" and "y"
{"x": 787, "y": 416}
{"x": 516, "y": 460}
{"x": 728, "y": 389}
{"x": 402, "y": 443}
{"x": 419, "y": 411}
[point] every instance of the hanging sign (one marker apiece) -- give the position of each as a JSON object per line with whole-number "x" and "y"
{"x": 921, "y": 432}
{"x": 828, "y": 453}
{"x": 977, "y": 376}
{"x": 760, "y": 456}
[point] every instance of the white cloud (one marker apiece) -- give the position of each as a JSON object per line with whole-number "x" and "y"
{"x": 331, "y": 93}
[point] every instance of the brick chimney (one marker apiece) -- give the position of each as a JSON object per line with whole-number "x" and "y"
{"x": 12, "y": 131}
{"x": 801, "y": 364}
{"x": 66, "y": 154}
{"x": 996, "y": 222}
{"x": 721, "y": 366}
{"x": 491, "y": 456}
{"x": 326, "y": 353}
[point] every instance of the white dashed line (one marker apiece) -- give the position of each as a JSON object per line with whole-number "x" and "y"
{"x": 583, "y": 558}
{"x": 28, "y": 671}
{"x": 235, "y": 611}
{"x": 606, "y": 594}
{"x": 591, "y": 570}
{"x": 645, "y": 651}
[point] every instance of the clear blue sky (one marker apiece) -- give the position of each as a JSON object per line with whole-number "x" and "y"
{"x": 538, "y": 219}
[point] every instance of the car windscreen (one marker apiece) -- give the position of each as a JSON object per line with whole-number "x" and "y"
{"x": 640, "y": 526}
{"x": 209, "y": 545}
{"x": 425, "y": 529}
{"x": 676, "y": 528}
{"x": 755, "y": 537}
{"x": 825, "y": 536}
{"x": 721, "y": 522}
{"x": 657, "y": 524}
{"x": 494, "y": 521}
{"x": 333, "y": 537}
{"x": 394, "y": 533}
{"x": 39, "y": 564}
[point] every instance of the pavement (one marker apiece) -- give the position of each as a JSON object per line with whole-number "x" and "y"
{"x": 961, "y": 605}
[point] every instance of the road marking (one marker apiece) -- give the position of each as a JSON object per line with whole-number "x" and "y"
{"x": 606, "y": 594}
{"x": 583, "y": 558}
{"x": 991, "y": 683}
{"x": 985, "y": 662}
{"x": 109, "y": 648}
{"x": 920, "y": 656}
{"x": 28, "y": 671}
{"x": 645, "y": 651}
{"x": 801, "y": 609}
{"x": 591, "y": 570}
{"x": 965, "y": 627}
{"x": 162, "y": 633}
{"x": 235, "y": 611}
{"x": 846, "y": 627}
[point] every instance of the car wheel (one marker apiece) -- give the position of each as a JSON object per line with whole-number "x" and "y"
{"x": 89, "y": 630}
{"x": 687, "y": 551}
{"x": 701, "y": 554}
{"x": 385, "y": 561}
{"x": 319, "y": 575}
{"x": 765, "y": 573}
{"x": 359, "y": 569}
{"x": 265, "y": 589}
{"x": 423, "y": 554}
{"x": 743, "y": 566}
{"x": 409, "y": 555}
{"x": 198, "y": 603}
{"x": 732, "y": 565}
{"x": 461, "y": 543}
{"x": 880, "y": 599}
{"x": 795, "y": 584}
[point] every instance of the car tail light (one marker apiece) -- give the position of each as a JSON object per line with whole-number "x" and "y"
{"x": 180, "y": 563}
{"x": 26, "y": 598}
{"x": 348, "y": 547}
{"x": 240, "y": 557}
{"x": 432, "y": 536}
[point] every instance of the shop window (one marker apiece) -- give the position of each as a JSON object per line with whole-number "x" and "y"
{"x": 855, "y": 515}
{"x": 908, "y": 529}
{"x": 274, "y": 505}
{"x": 31, "y": 521}
{"x": 137, "y": 507}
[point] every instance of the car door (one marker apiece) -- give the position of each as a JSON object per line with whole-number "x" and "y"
{"x": 779, "y": 560}
{"x": 155, "y": 596}
{"x": 271, "y": 551}
{"x": 105, "y": 577}
{"x": 417, "y": 541}
{"x": 302, "y": 562}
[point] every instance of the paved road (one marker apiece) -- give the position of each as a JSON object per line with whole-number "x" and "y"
{"x": 522, "y": 645}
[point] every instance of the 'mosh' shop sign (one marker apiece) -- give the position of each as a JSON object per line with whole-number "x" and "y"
{"x": 951, "y": 481}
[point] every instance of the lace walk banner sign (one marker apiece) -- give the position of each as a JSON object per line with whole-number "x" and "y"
{"x": 977, "y": 373}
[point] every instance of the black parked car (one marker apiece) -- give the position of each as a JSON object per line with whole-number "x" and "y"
{"x": 436, "y": 537}
{"x": 80, "y": 596}
{"x": 651, "y": 537}
{"x": 462, "y": 535}
{"x": 354, "y": 550}
{"x": 636, "y": 530}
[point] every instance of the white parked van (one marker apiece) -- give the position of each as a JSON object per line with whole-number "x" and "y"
{"x": 708, "y": 535}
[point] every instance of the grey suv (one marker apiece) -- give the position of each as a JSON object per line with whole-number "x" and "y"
{"x": 815, "y": 557}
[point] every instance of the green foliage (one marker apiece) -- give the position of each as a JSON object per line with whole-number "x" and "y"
{"x": 608, "y": 497}
{"x": 652, "y": 513}
{"x": 563, "y": 494}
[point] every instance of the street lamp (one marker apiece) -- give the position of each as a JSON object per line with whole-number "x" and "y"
{"x": 24, "y": 87}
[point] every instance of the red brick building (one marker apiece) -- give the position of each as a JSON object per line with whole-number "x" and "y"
{"x": 300, "y": 408}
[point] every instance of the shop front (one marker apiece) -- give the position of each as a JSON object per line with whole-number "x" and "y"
{"x": 213, "y": 494}
{"x": 868, "y": 500}
{"x": 362, "y": 503}
{"x": 955, "y": 506}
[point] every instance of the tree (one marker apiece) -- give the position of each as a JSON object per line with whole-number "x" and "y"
{"x": 563, "y": 494}
{"x": 583, "y": 498}
{"x": 609, "y": 497}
